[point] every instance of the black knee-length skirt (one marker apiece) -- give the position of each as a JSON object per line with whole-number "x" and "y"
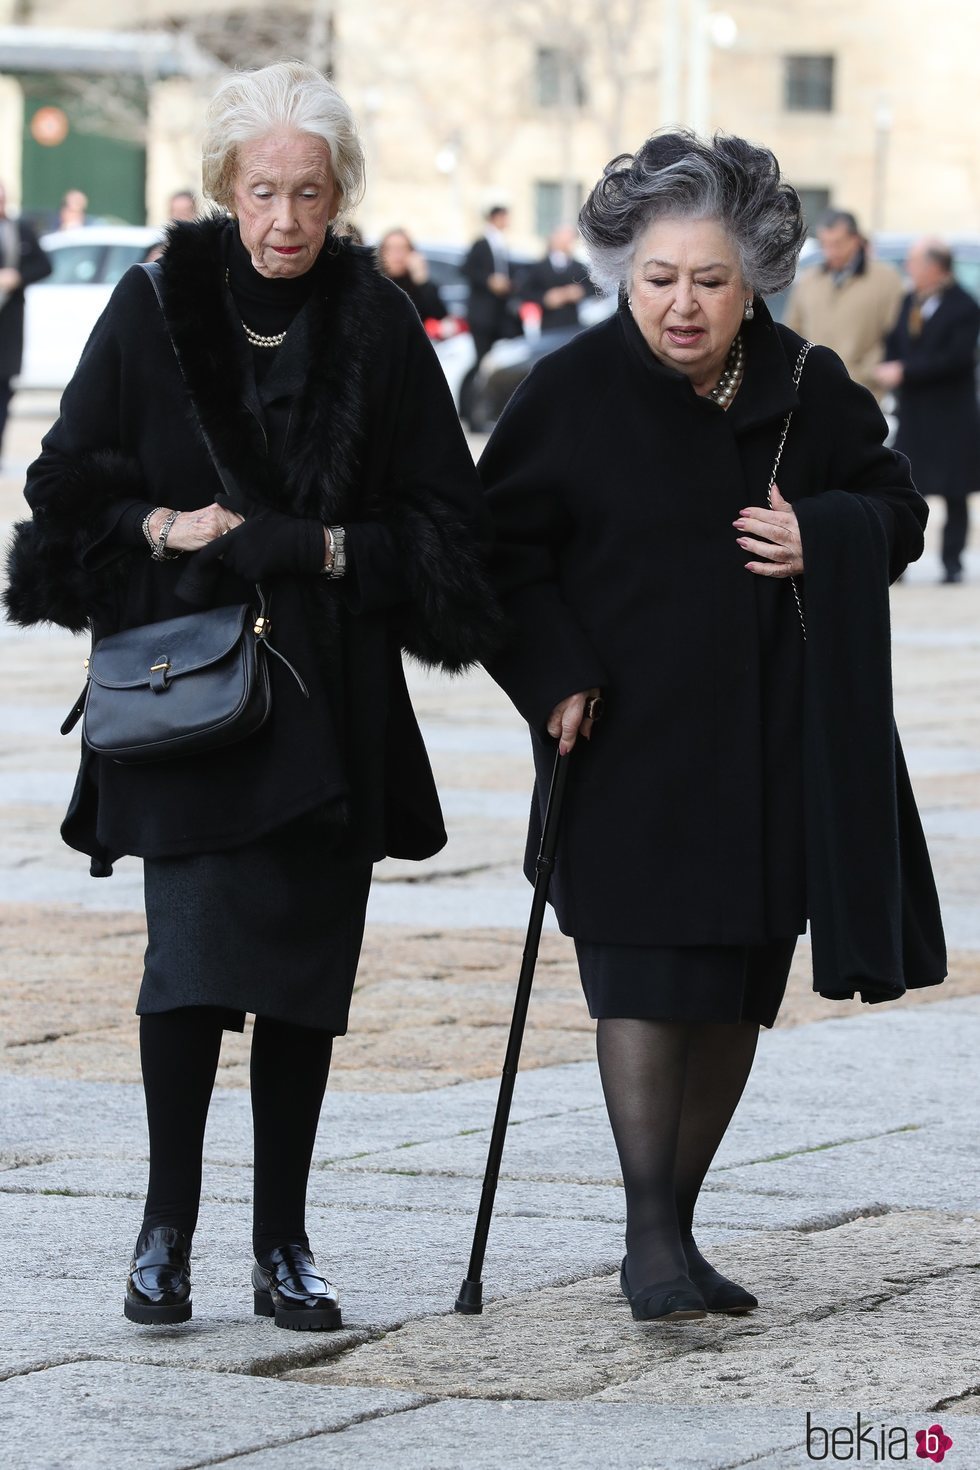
{"x": 686, "y": 983}
{"x": 273, "y": 928}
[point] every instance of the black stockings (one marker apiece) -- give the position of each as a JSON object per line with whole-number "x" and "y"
{"x": 671, "y": 1088}
{"x": 289, "y": 1065}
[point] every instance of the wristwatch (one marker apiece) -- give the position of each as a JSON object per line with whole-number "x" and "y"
{"x": 337, "y": 565}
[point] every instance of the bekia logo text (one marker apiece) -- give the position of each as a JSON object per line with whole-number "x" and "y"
{"x": 863, "y": 1441}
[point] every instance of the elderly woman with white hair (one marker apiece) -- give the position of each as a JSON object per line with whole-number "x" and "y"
{"x": 697, "y": 523}
{"x": 277, "y": 416}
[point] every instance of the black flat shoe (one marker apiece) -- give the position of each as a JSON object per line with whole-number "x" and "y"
{"x": 720, "y": 1294}
{"x": 288, "y": 1287}
{"x": 158, "y": 1288}
{"x": 677, "y": 1300}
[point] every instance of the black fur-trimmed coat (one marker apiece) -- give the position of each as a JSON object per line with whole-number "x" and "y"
{"x": 373, "y": 444}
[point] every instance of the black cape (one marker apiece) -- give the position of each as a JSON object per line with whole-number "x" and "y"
{"x": 371, "y": 441}
{"x": 690, "y": 816}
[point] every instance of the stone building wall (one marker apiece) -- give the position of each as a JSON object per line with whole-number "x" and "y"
{"x": 446, "y": 97}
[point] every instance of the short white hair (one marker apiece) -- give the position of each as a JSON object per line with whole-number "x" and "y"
{"x": 290, "y": 94}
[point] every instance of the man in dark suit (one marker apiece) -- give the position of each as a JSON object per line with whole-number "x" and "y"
{"x": 22, "y": 261}
{"x": 487, "y": 268}
{"x": 558, "y": 282}
{"x": 930, "y": 364}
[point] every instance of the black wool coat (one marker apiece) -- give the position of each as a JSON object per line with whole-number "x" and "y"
{"x": 369, "y": 439}
{"x": 938, "y": 414}
{"x": 33, "y": 266}
{"x": 613, "y": 488}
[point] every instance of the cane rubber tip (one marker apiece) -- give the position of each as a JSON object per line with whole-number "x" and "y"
{"x": 470, "y": 1299}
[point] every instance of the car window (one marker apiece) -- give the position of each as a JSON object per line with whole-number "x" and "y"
{"x": 119, "y": 258}
{"x": 74, "y": 265}
{"x": 444, "y": 272}
{"x": 968, "y": 275}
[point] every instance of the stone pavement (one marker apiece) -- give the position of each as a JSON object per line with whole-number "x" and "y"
{"x": 845, "y": 1194}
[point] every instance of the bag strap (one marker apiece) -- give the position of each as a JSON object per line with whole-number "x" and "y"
{"x": 154, "y": 271}
{"x": 797, "y": 375}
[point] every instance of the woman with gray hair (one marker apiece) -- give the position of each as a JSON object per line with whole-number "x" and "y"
{"x": 276, "y": 417}
{"x": 659, "y": 487}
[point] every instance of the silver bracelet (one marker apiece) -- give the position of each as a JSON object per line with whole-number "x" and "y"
{"x": 145, "y": 528}
{"x": 338, "y": 545}
{"x": 160, "y": 552}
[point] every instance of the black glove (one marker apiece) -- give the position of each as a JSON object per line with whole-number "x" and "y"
{"x": 268, "y": 544}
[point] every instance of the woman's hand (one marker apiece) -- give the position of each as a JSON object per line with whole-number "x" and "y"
{"x": 194, "y": 528}
{"x": 568, "y": 720}
{"x": 782, "y": 549}
{"x": 418, "y": 268}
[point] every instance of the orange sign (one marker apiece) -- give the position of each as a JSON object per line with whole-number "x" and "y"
{"x": 49, "y": 127}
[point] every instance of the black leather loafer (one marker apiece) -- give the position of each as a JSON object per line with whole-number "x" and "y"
{"x": 720, "y": 1294}
{"x": 676, "y": 1300}
{"x": 288, "y": 1287}
{"x": 158, "y": 1288}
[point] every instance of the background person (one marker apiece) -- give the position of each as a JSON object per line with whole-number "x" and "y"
{"x": 849, "y": 302}
{"x": 22, "y": 262}
{"x": 73, "y": 211}
{"x": 182, "y": 206}
{"x": 636, "y": 555}
{"x": 558, "y": 283}
{"x": 407, "y": 267}
{"x": 931, "y": 367}
{"x": 360, "y": 512}
{"x": 487, "y": 267}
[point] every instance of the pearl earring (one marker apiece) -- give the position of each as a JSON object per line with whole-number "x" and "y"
{"x": 749, "y": 311}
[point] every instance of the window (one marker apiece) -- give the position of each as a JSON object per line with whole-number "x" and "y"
{"x": 558, "y": 79}
{"x": 809, "y": 83}
{"x": 814, "y": 201}
{"x": 555, "y": 204}
{"x": 76, "y": 265}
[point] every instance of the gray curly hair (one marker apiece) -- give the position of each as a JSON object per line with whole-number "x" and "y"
{"x": 676, "y": 175}
{"x": 289, "y": 94}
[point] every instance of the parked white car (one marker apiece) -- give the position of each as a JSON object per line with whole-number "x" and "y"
{"x": 62, "y": 309}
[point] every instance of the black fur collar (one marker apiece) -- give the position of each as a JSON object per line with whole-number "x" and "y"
{"x": 322, "y": 476}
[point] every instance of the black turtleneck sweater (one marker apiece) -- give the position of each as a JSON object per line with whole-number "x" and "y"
{"x": 267, "y": 305}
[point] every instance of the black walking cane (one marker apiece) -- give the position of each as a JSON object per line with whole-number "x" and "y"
{"x": 470, "y": 1299}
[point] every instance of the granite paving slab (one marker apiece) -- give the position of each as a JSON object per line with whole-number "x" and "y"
{"x": 390, "y": 1265}
{"x": 481, "y": 1435}
{"x": 122, "y": 1416}
{"x": 331, "y": 1188}
{"x": 828, "y": 1301}
{"x": 935, "y": 1163}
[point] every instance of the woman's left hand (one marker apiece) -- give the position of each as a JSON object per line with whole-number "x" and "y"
{"x": 782, "y": 549}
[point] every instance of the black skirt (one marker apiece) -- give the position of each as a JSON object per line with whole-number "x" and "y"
{"x": 686, "y": 983}
{"x": 273, "y": 928}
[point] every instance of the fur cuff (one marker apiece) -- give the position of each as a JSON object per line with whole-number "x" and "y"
{"x": 46, "y": 581}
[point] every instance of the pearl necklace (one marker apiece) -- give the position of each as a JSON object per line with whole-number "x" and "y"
{"x": 257, "y": 340}
{"x": 728, "y": 384}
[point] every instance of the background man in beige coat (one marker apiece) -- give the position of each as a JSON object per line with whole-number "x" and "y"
{"x": 849, "y": 302}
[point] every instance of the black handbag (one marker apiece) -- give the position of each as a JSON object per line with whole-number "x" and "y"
{"x": 184, "y": 685}
{"x": 177, "y": 687}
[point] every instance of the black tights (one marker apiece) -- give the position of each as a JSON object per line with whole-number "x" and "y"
{"x": 289, "y": 1065}
{"x": 671, "y": 1088}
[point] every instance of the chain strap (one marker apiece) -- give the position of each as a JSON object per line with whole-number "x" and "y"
{"x": 797, "y": 375}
